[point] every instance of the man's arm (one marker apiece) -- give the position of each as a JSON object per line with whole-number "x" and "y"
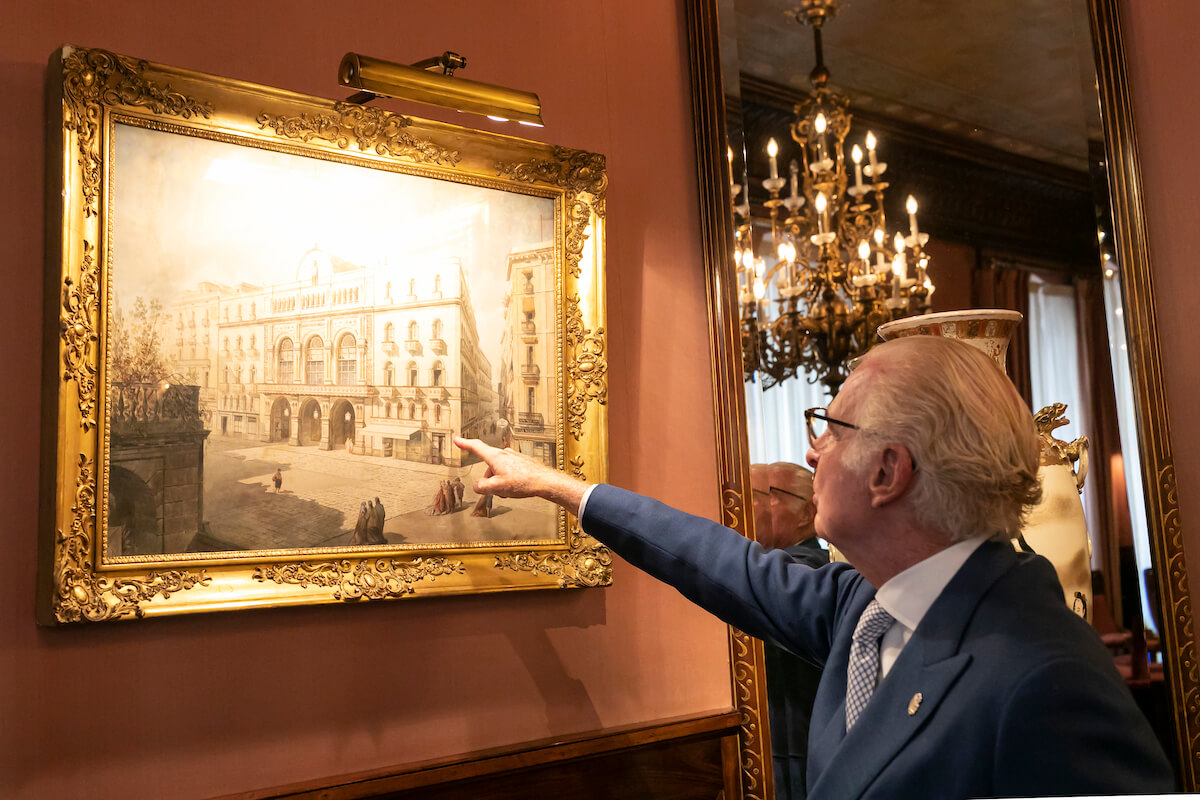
{"x": 717, "y": 568}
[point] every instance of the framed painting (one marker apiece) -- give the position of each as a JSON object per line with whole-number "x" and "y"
{"x": 268, "y": 317}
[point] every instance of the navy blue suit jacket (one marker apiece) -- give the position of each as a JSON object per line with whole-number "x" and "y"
{"x": 1001, "y": 691}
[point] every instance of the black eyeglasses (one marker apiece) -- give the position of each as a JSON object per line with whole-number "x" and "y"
{"x": 773, "y": 489}
{"x": 818, "y": 423}
{"x": 789, "y": 494}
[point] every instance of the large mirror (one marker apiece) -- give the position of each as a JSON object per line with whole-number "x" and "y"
{"x": 989, "y": 117}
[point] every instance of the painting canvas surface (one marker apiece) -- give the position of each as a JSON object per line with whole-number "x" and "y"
{"x": 293, "y": 342}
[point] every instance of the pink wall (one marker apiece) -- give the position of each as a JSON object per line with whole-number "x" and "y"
{"x": 1164, "y": 75}
{"x": 196, "y": 706}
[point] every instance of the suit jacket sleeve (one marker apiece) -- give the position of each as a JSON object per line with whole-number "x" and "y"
{"x": 765, "y": 594}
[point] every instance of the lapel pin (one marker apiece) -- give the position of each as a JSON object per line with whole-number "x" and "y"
{"x": 915, "y": 703}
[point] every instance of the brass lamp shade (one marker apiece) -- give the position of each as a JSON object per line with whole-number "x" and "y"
{"x": 411, "y": 83}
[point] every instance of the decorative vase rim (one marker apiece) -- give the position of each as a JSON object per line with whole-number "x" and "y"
{"x": 948, "y": 316}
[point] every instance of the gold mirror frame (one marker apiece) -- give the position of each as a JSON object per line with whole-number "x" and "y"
{"x": 1153, "y": 422}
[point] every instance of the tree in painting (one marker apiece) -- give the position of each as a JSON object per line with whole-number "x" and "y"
{"x": 136, "y": 355}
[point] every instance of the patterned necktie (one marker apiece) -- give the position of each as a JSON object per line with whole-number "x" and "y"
{"x": 863, "y": 671}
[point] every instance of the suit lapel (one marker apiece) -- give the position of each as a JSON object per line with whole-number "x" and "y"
{"x": 886, "y": 725}
{"x": 922, "y": 677}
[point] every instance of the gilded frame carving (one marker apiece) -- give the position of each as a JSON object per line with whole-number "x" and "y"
{"x": 747, "y": 665}
{"x": 1154, "y": 422}
{"x": 1179, "y": 645}
{"x": 90, "y": 92}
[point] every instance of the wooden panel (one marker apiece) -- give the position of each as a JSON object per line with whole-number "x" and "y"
{"x": 677, "y": 759}
{"x": 678, "y": 770}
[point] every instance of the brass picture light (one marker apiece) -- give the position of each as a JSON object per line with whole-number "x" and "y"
{"x": 376, "y": 77}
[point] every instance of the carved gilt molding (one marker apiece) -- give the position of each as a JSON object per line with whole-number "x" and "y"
{"x": 80, "y": 302}
{"x": 586, "y": 563}
{"x": 371, "y": 129}
{"x": 583, "y": 175}
{"x": 747, "y": 691}
{"x": 365, "y": 579}
{"x": 587, "y": 367}
{"x": 731, "y": 507}
{"x": 96, "y": 78}
{"x": 82, "y": 595}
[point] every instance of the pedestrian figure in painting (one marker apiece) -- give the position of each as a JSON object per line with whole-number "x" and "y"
{"x": 458, "y": 492}
{"x": 376, "y": 530}
{"x": 440, "y": 506}
{"x": 361, "y": 533}
{"x": 483, "y": 506}
{"x": 448, "y": 490}
{"x": 278, "y": 479}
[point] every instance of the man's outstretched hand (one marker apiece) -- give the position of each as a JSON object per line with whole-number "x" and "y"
{"x": 510, "y": 474}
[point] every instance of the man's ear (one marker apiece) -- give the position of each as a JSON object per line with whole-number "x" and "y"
{"x": 808, "y": 514}
{"x": 893, "y": 475}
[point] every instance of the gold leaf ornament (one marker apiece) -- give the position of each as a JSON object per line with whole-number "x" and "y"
{"x": 77, "y": 329}
{"x": 586, "y": 563}
{"x": 370, "y": 129}
{"x": 365, "y": 579}
{"x": 587, "y": 368}
{"x": 81, "y": 594}
{"x": 96, "y": 78}
{"x": 583, "y": 175}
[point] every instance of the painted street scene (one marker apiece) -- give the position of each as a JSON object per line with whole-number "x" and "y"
{"x": 289, "y": 372}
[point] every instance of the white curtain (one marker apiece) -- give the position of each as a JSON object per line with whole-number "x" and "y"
{"x": 775, "y": 418}
{"x": 1130, "y": 444}
{"x": 1056, "y": 375}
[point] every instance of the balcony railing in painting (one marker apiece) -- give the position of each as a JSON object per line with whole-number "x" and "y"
{"x": 147, "y": 408}
{"x": 530, "y": 423}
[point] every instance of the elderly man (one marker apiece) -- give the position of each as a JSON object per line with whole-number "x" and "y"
{"x": 951, "y": 666}
{"x": 783, "y": 520}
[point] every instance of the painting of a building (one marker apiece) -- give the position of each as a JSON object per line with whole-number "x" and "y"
{"x": 528, "y": 376}
{"x": 381, "y": 360}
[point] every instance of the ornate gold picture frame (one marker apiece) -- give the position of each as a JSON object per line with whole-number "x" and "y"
{"x": 268, "y": 315}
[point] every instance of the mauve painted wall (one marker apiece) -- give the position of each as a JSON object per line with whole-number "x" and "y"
{"x": 1164, "y": 77}
{"x": 197, "y": 706}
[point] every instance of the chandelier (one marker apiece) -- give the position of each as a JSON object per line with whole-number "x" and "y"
{"x": 837, "y": 276}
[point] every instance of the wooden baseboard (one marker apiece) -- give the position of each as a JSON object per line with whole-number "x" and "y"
{"x": 677, "y": 758}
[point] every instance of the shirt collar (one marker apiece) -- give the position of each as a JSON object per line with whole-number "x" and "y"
{"x": 909, "y": 594}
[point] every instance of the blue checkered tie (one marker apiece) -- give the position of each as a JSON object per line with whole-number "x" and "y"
{"x": 863, "y": 671}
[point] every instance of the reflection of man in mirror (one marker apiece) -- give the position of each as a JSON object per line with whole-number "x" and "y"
{"x": 952, "y": 668}
{"x": 784, "y": 520}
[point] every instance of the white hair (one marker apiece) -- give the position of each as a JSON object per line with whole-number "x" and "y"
{"x": 967, "y": 429}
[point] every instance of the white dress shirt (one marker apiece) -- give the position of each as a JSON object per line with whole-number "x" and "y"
{"x": 908, "y": 595}
{"x": 583, "y": 501}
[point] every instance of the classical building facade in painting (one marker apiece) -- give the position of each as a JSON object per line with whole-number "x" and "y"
{"x": 381, "y": 360}
{"x": 529, "y": 382}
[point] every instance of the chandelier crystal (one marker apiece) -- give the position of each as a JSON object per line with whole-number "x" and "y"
{"x": 837, "y": 274}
